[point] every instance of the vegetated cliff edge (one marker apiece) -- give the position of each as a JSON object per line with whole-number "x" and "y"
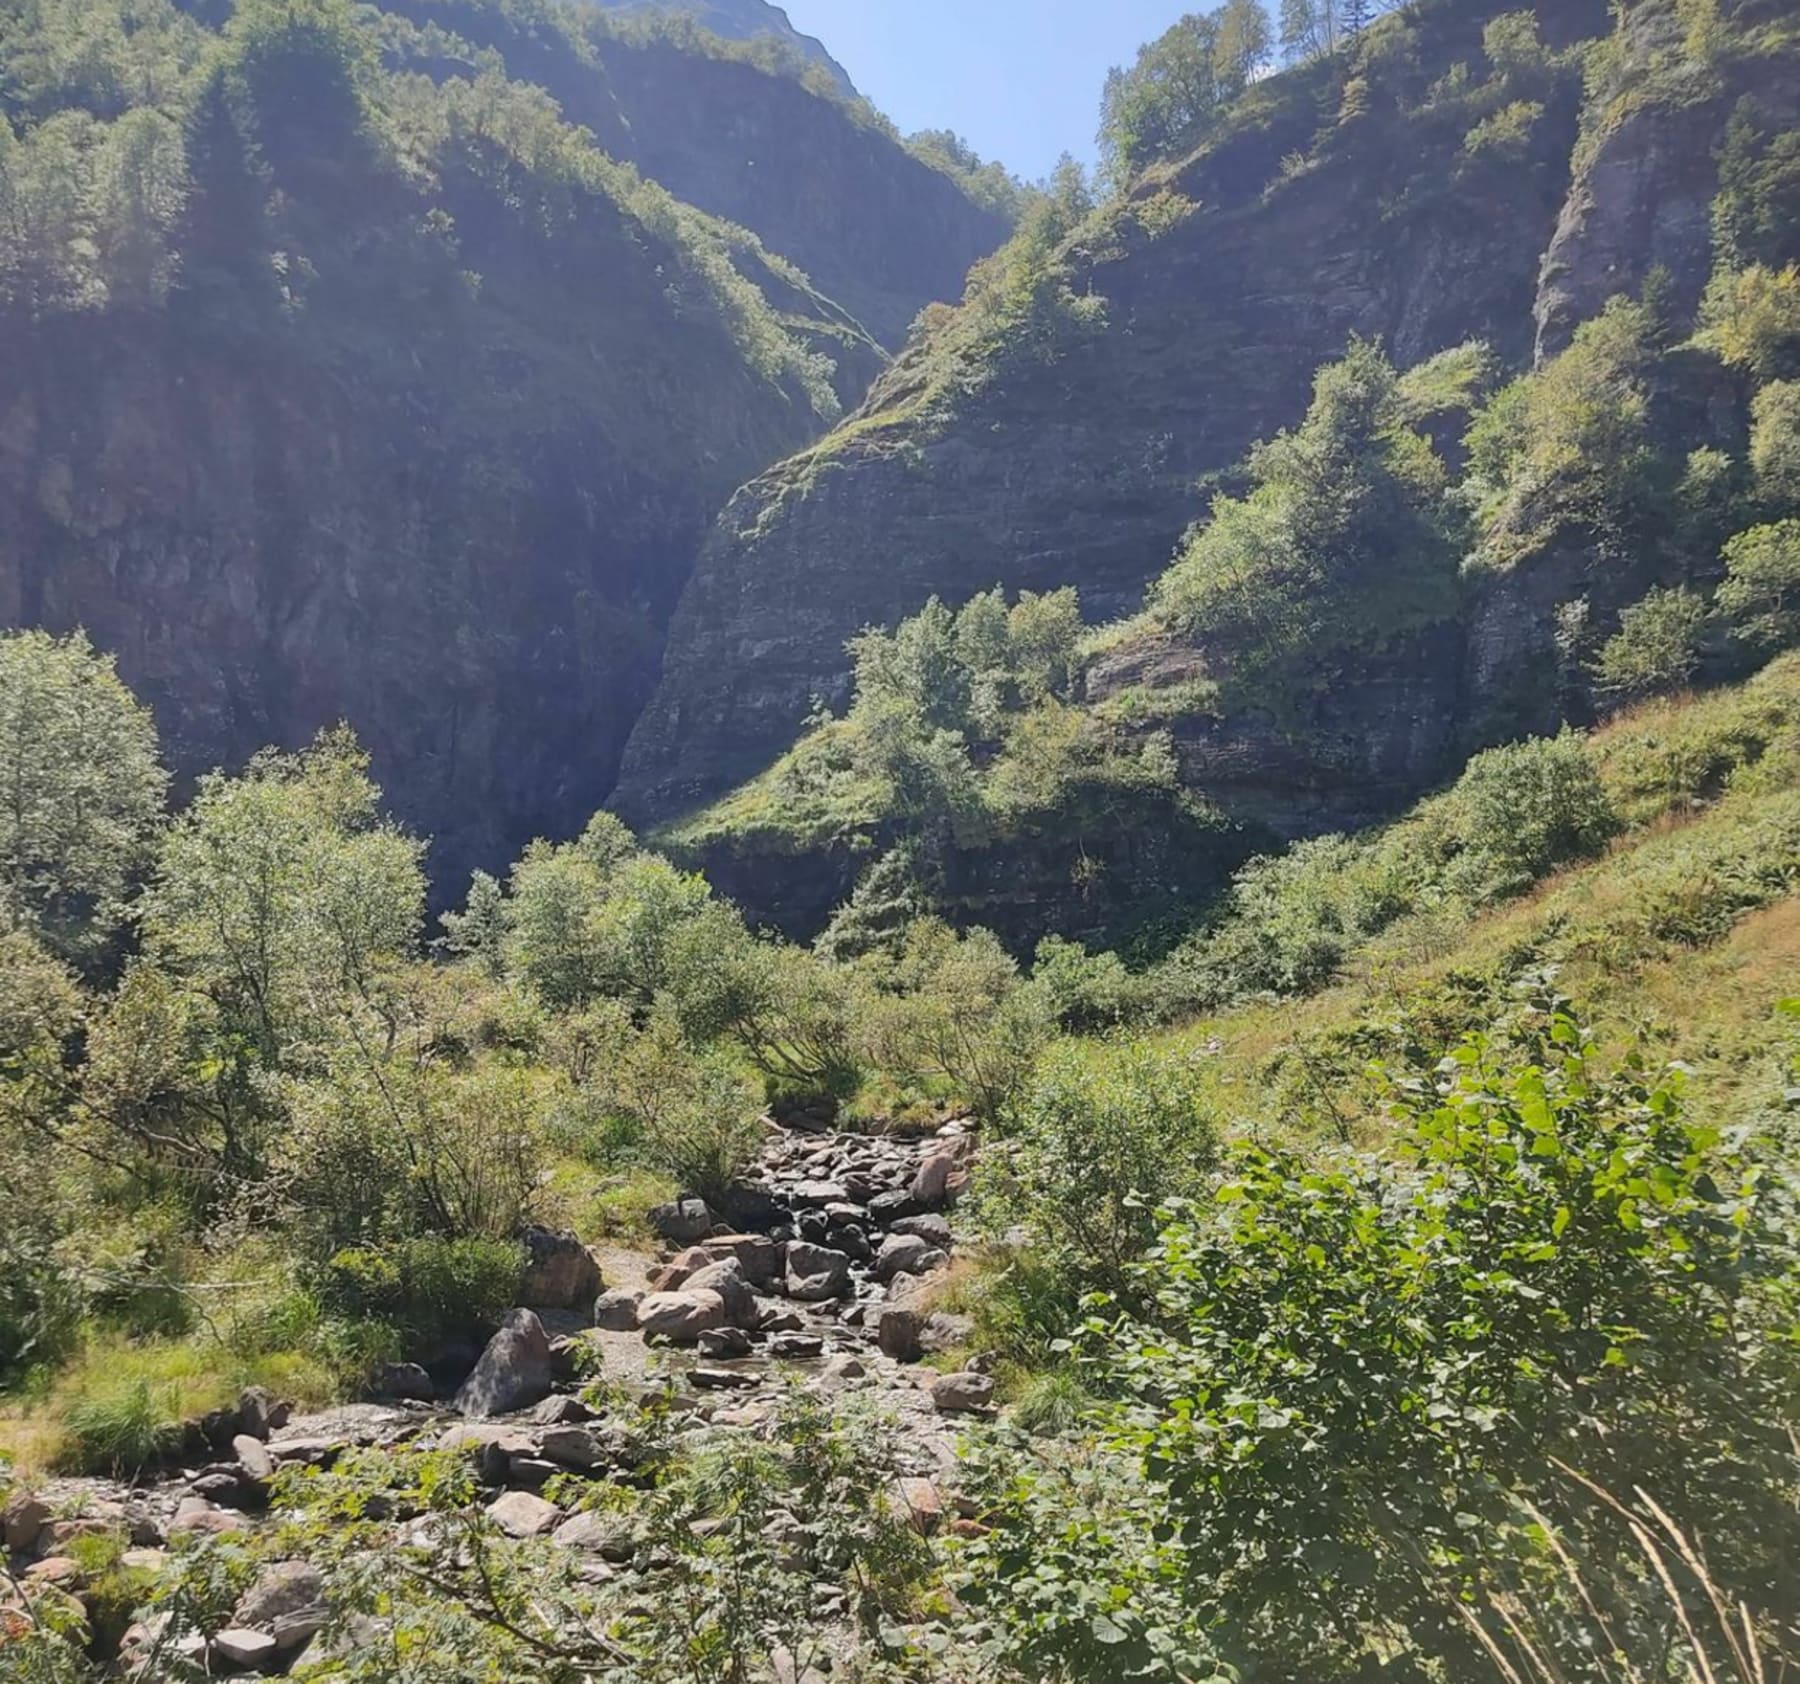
{"x": 426, "y": 407}
{"x": 745, "y": 20}
{"x": 1062, "y": 445}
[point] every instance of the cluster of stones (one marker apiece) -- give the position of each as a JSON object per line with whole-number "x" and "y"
{"x": 835, "y": 1237}
{"x": 281, "y": 1613}
{"x": 826, "y": 1266}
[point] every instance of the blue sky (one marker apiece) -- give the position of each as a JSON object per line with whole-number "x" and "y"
{"x": 1019, "y": 79}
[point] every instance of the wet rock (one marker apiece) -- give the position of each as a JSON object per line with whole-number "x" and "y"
{"x": 680, "y": 1317}
{"x": 852, "y": 1242}
{"x": 514, "y": 1372}
{"x": 725, "y": 1343}
{"x": 682, "y": 1222}
{"x": 519, "y": 1514}
{"x": 815, "y": 1273}
{"x": 796, "y": 1347}
{"x": 560, "y": 1272}
{"x": 287, "y": 1602}
{"x": 777, "y": 1317}
{"x": 617, "y": 1311}
{"x": 841, "y": 1370}
{"x": 962, "y": 1394}
{"x": 561, "y": 1412}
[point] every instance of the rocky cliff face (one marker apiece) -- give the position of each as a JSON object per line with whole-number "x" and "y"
{"x": 877, "y": 231}
{"x": 432, "y": 449}
{"x": 1225, "y": 282}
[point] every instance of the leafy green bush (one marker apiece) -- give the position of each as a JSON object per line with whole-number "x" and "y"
{"x": 1657, "y": 647}
{"x": 427, "y": 1289}
{"x": 1775, "y": 443}
{"x": 1524, "y": 809}
{"x": 1761, "y": 592}
{"x": 1098, "y": 1138}
{"x": 1361, "y": 1381}
{"x": 1343, "y": 543}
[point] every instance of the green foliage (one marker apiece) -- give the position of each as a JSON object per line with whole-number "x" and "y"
{"x": 281, "y": 891}
{"x": 1758, "y": 205}
{"x": 954, "y": 1017}
{"x": 1568, "y": 446}
{"x": 1751, "y": 318}
{"x": 1775, "y": 443}
{"x": 427, "y": 1289}
{"x": 1164, "y": 103}
{"x": 1291, "y": 920}
{"x": 1526, "y": 808}
{"x": 1657, "y": 647}
{"x": 1094, "y": 1143}
{"x": 1364, "y": 1381}
{"x": 1342, "y": 543}
{"x": 123, "y": 1431}
{"x": 79, "y": 758}
{"x": 1087, "y": 993}
{"x": 1761, "y": 592}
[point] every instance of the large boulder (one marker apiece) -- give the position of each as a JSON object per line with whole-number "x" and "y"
{"x": 816, "y": 1273}
{"x": 515, "y": 1371}
{"x": 933, "y": 1229}
{"x": 944, "y": 1175}
{"x": 560, "y": 1272}
{"x": 521, "y": 1515}
{"x": 897, "y": 1333}
{"x": 617, "y": 1311}
{"x": 962, "y": 1394}
{"x": 680, "y": 1317}
{"x": 728, "y": 1280}
{"x": 682, "y": 1222}
{"x": 906, "y": 1254}
{"x": 287, "y": 1602}
{"x": 760, "y": 1257}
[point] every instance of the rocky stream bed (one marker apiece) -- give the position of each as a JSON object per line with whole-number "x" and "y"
{"x": 817, "y": 1272}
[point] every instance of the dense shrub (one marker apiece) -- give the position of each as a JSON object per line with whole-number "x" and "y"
{"x": 1096, "y": 1141}
{"x": 1526, "y": 808}
{"x": 1761, "y": 592}
{"x": 427, "y": 1289}
{"x": 1365, "y": 1385}
{"x": 1657, "y": 647}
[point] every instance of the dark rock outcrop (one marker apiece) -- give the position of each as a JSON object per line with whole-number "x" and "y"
{"x": 1071, "y": 456}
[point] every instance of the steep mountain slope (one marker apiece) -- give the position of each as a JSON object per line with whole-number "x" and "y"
{"x": 817, "y": 179}
{"x": 744, "y": 20}
{"x": 1386, "y": 600}
{"x": 337, "y": 390}
{"x": 1061, "y": 442}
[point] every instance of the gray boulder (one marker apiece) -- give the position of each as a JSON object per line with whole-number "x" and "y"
{"x": 680, "y": 1317}
{"x": 933, "y": 1229}
{"x": 729, "y": 1281}
{"x": 515, "y": 1371}
{"x": 962, "y": 1394}
{"x": 287, "y": 1602}
{"x": 560, "y": 1272}
{"x": 683, "y": 1222}
{"x": 521, "y": 1515}
{"x": 906, "y": 1254}
{"x": 816, "y": 1273}
{"x": 617, "y": 1311}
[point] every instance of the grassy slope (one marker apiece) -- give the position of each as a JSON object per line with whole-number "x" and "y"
{"x": 1684, "y": 934}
